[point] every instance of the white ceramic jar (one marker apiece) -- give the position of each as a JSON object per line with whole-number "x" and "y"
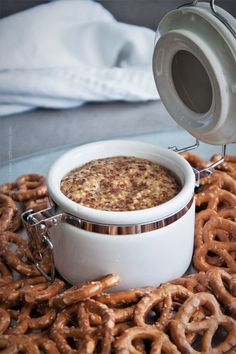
{"x": 142, "y": 258}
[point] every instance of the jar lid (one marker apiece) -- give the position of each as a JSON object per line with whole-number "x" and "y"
{"x": 194, "y": 67}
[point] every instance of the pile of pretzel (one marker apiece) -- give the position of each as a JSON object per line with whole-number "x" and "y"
{"x": 27, "y": 192}
{"x": 192, "y": 314}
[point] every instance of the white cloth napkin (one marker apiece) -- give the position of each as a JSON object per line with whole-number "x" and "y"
{"x": 68, "y": 52}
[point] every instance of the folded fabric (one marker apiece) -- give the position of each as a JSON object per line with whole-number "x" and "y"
{"x": 68, "y": 52}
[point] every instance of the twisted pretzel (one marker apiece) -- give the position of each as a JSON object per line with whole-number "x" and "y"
{"x": 218, "y": 245}
{"x": 83, "y": 291}
{"x": 5, "y": 320}
{"x": 44, "y": 344}
{"x": 21, "y": 257}
{"x": 201, "y": 218}
{"x": 184, "y": 323}
{"x": 217, "y": 223}
{"x": 9, "y": 214}
{"x": 31, "y": 186}
{"x": 37, "y": 204}
{"x": 166, "y": 300}
{"x": 228, "y": 213}
{"x": 224, "y": 252}
{"x": 44, "y": 292}
{"x": 82, "y": 331}
{"x": 195, "y": 160}
{"x": 14, "y": 291}
{"x": 229, "y": 164}
{"x": 224, "y": 287}
{"x": 124, "y": 297}
{"x": 8, "y": 188}
{"x": 14, "y": 344}
{"x": 123, "y": 302}
{"x": 6, "y": 274}
{"x": 214, "y": 198}
{"x": 43, "y": 317}
{"x": 66, "y": 326}
{"x": 160, "y": 343}
{"x": 218, "y": 179}
{"x": 196, "y": 283}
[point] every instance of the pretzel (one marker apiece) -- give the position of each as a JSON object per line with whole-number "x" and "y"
{"x": 83, "y": 291}
{"x": 196, "y": 282}
{"x": 31, "y": 186}
{"x": 5, "y": 320}
{"x": 44, "y": 344}
{"x": 105, "y": 330}
{"x": 218, "y": 179}
{"x": 229, "y": 164}
{"x": 122, "y": 298}
{"x": 8, "y": 188}
{"x": 14, "y": 291}
{"x": 9, "y": 215}
{"x": 210, "y": 230}
{"x": 217, "y": 244}
{"x": 23, "y": 321}
{"x": 184, "y": 323}
{"x": 36, "y": 294}
{"x": 224, "y": 251}
{"x": 228, "y": 213}
{"x": 6, "y": 274}
{"x": 201, "y": 218}
{"x": 37, "y": 204}
{"x": 160, "y": 343}
{"x": 13, "y": 344}
{"x": 195, "y": 160}
{"x": 19, "y": 258}
{"x": 123, "y": 302}
{"x": 166, "y": 298}
{"x": 86, "y": 335}
{"x": 224, "y": 288}
{"x": 66, "y": 326}
{"x": 214, "y": 198}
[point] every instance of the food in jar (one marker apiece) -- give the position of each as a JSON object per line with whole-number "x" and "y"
{"x": 120, "y": 183}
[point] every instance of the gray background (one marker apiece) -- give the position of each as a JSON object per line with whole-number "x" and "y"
{"x": 40, "y": 130}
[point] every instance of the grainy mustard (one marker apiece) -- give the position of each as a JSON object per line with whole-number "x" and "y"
{"x": 120, "y": 183}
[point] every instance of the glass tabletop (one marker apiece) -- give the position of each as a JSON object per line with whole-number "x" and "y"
{"x": 41, "y": 162}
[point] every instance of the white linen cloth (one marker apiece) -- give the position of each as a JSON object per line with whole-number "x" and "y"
{"x": 68, "y": 52}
